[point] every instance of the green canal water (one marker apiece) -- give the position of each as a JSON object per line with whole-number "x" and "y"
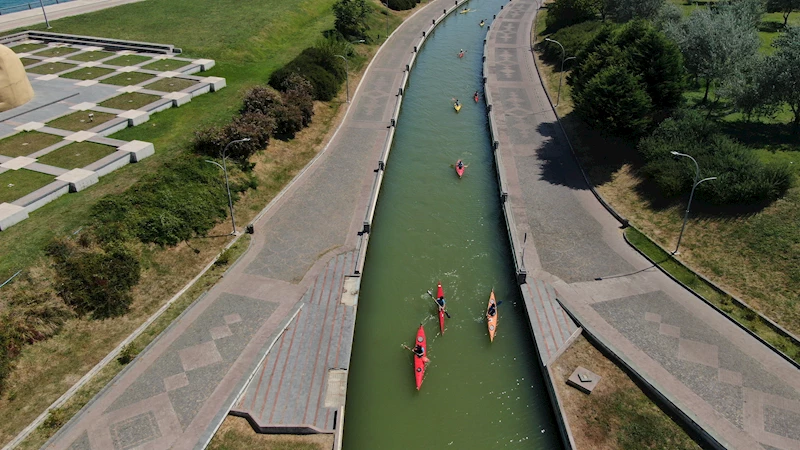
{"x": 431, "y": 226}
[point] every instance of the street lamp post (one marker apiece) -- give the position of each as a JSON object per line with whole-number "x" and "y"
{"x": 691, "y": 195}
{"x": 346, "y": 76}
{"x": 224, "y": 168}
{"x": 563, "y": 60}
{"x": 45, "y": 15}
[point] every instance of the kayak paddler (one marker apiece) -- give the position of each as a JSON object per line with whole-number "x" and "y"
{"x": 492, "y": 310}
{"x": 419, "y": 351}
{"x": 460, "y": 166}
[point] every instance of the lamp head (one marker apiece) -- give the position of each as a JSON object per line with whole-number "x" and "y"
{"x": 674, "y": 153}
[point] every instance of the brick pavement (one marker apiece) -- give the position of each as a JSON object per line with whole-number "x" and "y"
{"x": 179, "y": 389}
{"x": 742, "y": 394}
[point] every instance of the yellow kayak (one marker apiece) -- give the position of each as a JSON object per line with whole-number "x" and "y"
{"x": 457, "y": 106}
{"x": 482, "y": 22}
{"x": 464, "y": 11}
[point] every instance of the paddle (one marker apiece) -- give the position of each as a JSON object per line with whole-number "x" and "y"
{"x": 437, "y": 304}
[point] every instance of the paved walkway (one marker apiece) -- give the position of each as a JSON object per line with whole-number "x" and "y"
{"x": 12, "y": 21}
{"x": 740, "y": 392}
{"x": 178, "y": 391}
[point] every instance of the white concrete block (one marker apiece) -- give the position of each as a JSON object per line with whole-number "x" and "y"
{"x": 83, "y": 106}
{"x": 90, "y": 64}
{"x": 17, "y": 163}
{"x": 78, "y": 179}
{"x": 216, "y": 83}
{"x": 80, "y": 136}
{"x": 86, "y": 83}
{"x": 47, "y": 77}
{"x": 11, "y": 215}
{"x": 54, "y": 59}
{"x": 127, "y": 89}
{"x": 178, "y": 98}
{"x": 135, "y": 117}
{"x": 127, "y": 69}
{"x": 30, "y": 126}
{"x": 138, "y": 150}
{"x": 204, "y": 63}
{"x": 168, "y": 74}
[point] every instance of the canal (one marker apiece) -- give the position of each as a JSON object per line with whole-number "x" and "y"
{"x": 430, "y": 226}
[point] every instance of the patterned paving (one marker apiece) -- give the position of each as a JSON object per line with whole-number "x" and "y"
{"x": 290, "y": 391}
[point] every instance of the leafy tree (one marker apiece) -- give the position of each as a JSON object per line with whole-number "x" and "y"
{"x": 714, "y": 42}
{"x": 351, "y": 17}
{"x": 626, "y": 10}
{"x": 784, "y": 7}
{"x": 783, "y": 71}
{"x": 650, "y": 68}
{"x": 562, "y": 13}
{"x": 751, "y": 11}
{"x": 748, "y": 88}
{"x": 615, "y": 100}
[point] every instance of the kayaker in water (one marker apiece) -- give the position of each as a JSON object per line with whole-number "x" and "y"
{"x": 461, "y": 53}
{"x": 440, "y": 301}
{"x": 457, "y": 103}
{"x": 419, "y": 350}
{"x": 460, "y": 166}
{"x": 492, "y": 310}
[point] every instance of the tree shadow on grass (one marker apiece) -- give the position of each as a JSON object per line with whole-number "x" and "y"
{"x": 770, "y": 26}
{"x": 771, "y": 136}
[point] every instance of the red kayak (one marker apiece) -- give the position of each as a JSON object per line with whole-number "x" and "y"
{"x": 420, "y": 361}
{"x": 476, "y": 98}
{"x": 440, "y": 294}
{"x": 460, "y": 171}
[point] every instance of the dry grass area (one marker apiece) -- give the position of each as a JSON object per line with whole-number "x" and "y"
{"x": 617, "y": 414}
{"x": 47, "y": 369}
{"x": 235, "y": 433}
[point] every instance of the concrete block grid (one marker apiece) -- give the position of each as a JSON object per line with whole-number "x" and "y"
{"x": 53, "y": 102}
{"x": 717, "y": 379}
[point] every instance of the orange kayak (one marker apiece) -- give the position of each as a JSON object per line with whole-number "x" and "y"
{"x": 440, "y": 294}
{"x": 460, "y": 170}
{"x": 491, "y": 319}
{"x": 420, "y": 361}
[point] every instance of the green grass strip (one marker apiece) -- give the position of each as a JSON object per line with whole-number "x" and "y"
{"x": 745, "y": 316}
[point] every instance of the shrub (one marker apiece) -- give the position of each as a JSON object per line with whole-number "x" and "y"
{"x": 574, "y": 38}
{"x": 186, "y": 198}
{"x": 742, "y": 178}
{"x": 402, "y": 5}
{"x": 127, "y": 354}
{"x": 325, "y": 84}
{"x": 299, "y": 92}
{"x": 562, "y": 13}
{"x": 95, "y": 280}
{"x": 290, "y": 111}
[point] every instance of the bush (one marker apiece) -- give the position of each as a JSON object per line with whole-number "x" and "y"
{"x": 186, "y": 198}
{"x": 742, "y": 179}
{"x": 299, "y": 92}
{"x": 290, "y": 111}
{"x": 563, "y": 13}
{"x": 615, "y": 100}
{"x": 402, "y": 5}
{"x": 94, "y": 279}
{"x": 574, "y": 38}
{"x": 325, "y": 83}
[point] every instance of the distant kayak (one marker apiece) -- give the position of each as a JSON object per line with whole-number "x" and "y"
{"x": 460, "y": 168}
{"x": 482, "y": 23}
{"x": 460, "y": 54}
{"x": 464, "y": 11}
{"x": 457, "y": 106}
{"x": 420, "y": 361}
{"x": 476, "y": 98}
{"x": 491, "y": 316}
{"x": 440, "y": 294}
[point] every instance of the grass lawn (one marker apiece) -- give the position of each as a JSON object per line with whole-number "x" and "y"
{"x": 128, "y": 79}
{"x": 127, "y": 60}
{"x": 26, "y": 142}
{"x": 15, "y": 184}
{"x": 29, "y": 61}
{"x": 51, "y": 68}
{"x": 617, "y": 414}
{"x": 27, "y": 48}
{"x": 130, "y": 100}
{"x": 56, "y": 51}
{"x": 80, "y": 120}
{"x": 91, "y": 56}
{"x": 165, "y": 65}
{"x": 235, "y": 433}
{"x": 87, "y": 73}
{"x": 170, "y": 84}
{"x": 77, "y": 155}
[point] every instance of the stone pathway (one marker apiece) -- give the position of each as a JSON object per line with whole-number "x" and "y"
{"x": 741, "y": 393}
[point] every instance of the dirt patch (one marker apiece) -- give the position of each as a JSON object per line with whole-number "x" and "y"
{"x": 617, "y": 414}
{"x": 236, "y": 433}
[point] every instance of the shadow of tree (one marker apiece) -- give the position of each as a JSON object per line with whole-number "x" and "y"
{"x": 771, "y": 136}
{"x": 770, "y": 26}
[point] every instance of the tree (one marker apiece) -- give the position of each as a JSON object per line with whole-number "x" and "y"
{"x": 351, "y": 17}
{"x": 615, "y": 100}
{"x": 562, "y": 13}
{"x": 714, "y": 42}
{"x": 783, "y": 74}
{"x": 626, "y": 10}
{"x": 748, "y": 89}
{"x": 783, "y": 6}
